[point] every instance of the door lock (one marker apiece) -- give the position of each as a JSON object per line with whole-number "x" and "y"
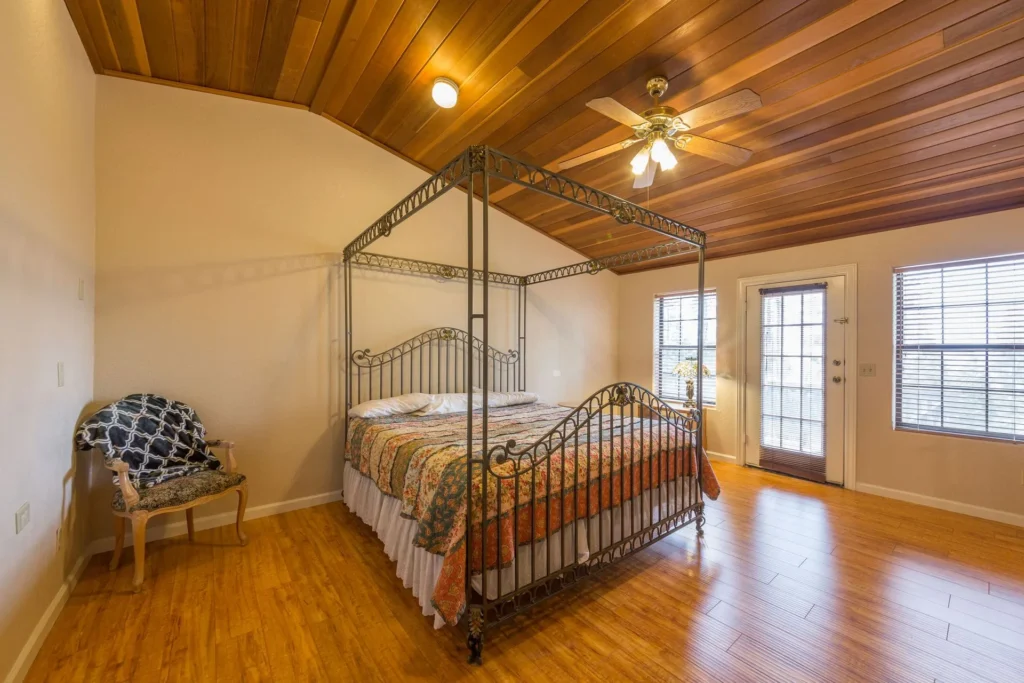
{"x": 837, "y": 363}
{"x": 837, "y": 379}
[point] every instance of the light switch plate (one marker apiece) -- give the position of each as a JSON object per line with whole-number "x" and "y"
{"x": 21, "y": 518}
{"x": 556, "y": 373}
{"x": 866, "y": 370}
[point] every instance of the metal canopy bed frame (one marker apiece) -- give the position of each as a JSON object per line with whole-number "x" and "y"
{"x": 611, "y": 416}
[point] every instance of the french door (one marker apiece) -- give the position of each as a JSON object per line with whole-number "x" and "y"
{"x": 795, "y": 378}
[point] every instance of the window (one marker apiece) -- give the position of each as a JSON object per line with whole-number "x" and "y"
{"x": 675, "y": 340}
{"x": 959, "y": 356}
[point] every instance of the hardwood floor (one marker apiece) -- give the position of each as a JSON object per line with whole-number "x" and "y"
{"x": 793, "y": 582}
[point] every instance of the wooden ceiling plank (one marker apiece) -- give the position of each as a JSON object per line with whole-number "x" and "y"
{"x": 869, "y": 62}
{"x": 338, "y": 12}
{"x": 725, "y": 182}
{"x": 368, "y": 39}
{"x": 711, "y": 32}
{"x": 122, "y": 18}
{"x": 891, "y": 194}
{"x": 339, "y": 59}
{"x": 891, "y": 169}
{"x": 436, "y": 29}
{"x": 277, "y": 35}
{"x": 82, "y": 26}
{"x": 456, "y": 61}
{"x": 189, "y": 40}
{"x": 498, "y": 65}
{"x": 912, "y": 151}
{"x": 947, "y": 197}
{"x": 92, "y": 12}
{"x": 866, "y": 184}
{"x": 250, "y": 19}
{"x": 220, "y": 38}
{"x": 927, "y": 81}
{"x": 411, "y": 18}
{"x": 983, "y": 22}
{"x": 582, "y": 53}
{"x": 308, "y": 24}
{"x": 157, "y": 25}
{"x": 414, "y": 102}
{"x": 732, "y": 76}
{"x": 753, "y": 30}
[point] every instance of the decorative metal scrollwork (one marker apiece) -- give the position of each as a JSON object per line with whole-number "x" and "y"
{"x": 363, "y": 357}
{"x": 623, "y": 212}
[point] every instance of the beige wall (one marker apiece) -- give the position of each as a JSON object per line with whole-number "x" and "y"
{"x": 976, "y": 472}
{"x": 47, "y": 230}
{"x": 217, "y": 219}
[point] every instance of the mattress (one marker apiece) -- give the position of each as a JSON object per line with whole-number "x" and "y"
{"x": 420, "y": 463}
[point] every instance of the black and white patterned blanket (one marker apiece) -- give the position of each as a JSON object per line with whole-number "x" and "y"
{"x": 160, "y": 439}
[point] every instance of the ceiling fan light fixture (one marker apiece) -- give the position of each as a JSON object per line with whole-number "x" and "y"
{"x": 639, "y": 162}
{"x": 663, "y": 155}
{"x": 445, "y": 92}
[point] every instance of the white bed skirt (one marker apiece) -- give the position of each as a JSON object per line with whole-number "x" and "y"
{"x": 419, "y": 569}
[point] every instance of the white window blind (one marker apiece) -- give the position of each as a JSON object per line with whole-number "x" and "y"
{"x": 675, "y": 339}
{"x": 959, "y": 362}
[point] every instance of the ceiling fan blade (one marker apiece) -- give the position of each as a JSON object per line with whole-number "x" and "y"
{"x": 719, "y": 151}
{"x": 614, "y": 110}
{"x": 646, "y": 179}
{"x": 596, "y": 154}
{"x": 731, "y": 105}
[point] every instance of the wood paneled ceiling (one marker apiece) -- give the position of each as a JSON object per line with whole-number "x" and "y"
{"x": 877, "y": 114}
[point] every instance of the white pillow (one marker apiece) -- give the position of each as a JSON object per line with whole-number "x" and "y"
{"x": 500, "y": 399}
{"x": 396, "y": 405}
{"x": 443, "y": 404}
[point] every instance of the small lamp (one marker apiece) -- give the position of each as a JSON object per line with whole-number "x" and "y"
{"x": 687, "y": 369}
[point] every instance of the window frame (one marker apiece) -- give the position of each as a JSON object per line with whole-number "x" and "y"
{"x": 713, "y": 347}
{"x": 897, "y": 333}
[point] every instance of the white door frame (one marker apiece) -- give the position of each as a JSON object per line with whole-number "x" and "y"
{"x": 849, "y": 271}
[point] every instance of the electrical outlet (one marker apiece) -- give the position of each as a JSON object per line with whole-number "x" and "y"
{"x": 81, "y": 290}
{"x": 866, "y": 370}
{"x": 556, "y": 373}
{"x": 60, "y": 373}
{"x": 21, "y": 518}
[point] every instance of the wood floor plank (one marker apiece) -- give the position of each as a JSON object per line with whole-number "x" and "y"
{"x": 792, "y": 581}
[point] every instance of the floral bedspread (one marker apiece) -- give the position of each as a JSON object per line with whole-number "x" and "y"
{"x": 422, "y": 461}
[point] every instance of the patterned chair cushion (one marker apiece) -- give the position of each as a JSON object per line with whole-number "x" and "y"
{"x": 180, "y": 491}
{"x": 158, "y": 438}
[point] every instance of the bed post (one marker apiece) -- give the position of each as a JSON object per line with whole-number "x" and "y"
{"x": 346, "y": 276}
{"x": 475, "y": 637}
{"x": 700, "y": 389}
{"x": 521, "y": 326}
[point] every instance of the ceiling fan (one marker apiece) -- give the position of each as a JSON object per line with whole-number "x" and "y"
{"x": 660, "y": 126}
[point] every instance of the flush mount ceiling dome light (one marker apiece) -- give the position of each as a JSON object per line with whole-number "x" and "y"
{"x": 445, "y": 92}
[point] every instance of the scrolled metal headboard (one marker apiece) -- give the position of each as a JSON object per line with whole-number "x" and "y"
{"x": 431, "y": 362}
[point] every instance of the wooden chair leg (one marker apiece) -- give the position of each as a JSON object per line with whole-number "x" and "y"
{"x": 139, "y": 538}
{"x": 119, "y": 523}
{"x": 243, "y": 498}
{"x": 190, "y": 521}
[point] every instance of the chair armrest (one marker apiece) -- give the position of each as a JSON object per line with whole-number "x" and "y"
{"x": 131, "y": 496}
{"x": 231, "y": 465}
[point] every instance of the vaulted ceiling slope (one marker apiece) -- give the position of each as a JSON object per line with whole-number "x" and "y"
{"x": 877, "y": 114}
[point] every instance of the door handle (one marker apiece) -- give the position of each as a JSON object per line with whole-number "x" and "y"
{"x": 837, "y": 379}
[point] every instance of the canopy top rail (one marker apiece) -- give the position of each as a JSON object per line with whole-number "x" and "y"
{"x": 482, "y": 159}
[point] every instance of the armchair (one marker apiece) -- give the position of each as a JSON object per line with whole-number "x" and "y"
{"x": 160, "y": 456}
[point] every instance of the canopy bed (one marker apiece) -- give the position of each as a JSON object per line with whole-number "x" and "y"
{"x": 489, "y": 509}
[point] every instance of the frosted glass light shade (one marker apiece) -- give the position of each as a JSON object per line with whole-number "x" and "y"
{"x": 639, "y": 162}
{"x": 445, "y": 92}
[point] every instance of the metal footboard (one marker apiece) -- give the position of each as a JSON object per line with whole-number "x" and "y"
{"x": 618, "y": 473}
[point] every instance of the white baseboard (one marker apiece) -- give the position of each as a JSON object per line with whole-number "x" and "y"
{"x": 712, "y": 455}
{"x": 35, "y": 640}
{"x": 944, "y": 504}
{"x": 180, "y": 528}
